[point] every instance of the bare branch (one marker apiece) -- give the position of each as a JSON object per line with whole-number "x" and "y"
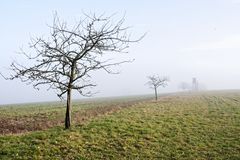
{"x": 156, "y": 81}
{"x": 66, "y": 59}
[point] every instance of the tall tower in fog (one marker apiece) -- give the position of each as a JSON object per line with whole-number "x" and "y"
{"x": 194, "y": 84}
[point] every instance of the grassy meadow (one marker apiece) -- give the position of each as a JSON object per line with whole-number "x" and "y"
{"x": 180, "y": 126}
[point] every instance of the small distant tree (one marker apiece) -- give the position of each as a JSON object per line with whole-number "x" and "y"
{"x": 155, "y": 82}
{"x": 65, "y": 60}
{"x": 184, "y": 86}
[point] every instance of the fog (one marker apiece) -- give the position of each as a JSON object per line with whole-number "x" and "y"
{"x": 185, "y": 39}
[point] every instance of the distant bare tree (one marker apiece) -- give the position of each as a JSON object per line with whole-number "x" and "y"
{"x": 155, "y": 82}
{"x": 65, "y": 60}
{"x": 184, "y": 86}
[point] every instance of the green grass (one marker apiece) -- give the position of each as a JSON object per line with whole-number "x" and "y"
{"x": 201, "y": 126}
{"x": 40, "y": 116}
{"x": 31, "y": 109}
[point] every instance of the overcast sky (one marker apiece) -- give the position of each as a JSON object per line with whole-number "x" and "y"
{"x": 185, "y": 39}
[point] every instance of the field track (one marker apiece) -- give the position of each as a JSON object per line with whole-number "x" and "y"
{"x": 40, "y": 116}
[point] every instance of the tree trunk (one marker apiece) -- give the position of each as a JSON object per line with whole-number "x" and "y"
{"x": 68, "y": 110}
{"x": 156, "y": 96}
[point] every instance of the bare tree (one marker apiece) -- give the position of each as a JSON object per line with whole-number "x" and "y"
{"x": 66, "y": 59}
{"x": 155, "y": 82}
{"x": 184, "y": 86}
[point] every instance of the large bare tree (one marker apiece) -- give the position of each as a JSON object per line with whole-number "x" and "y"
{"x": 155, "y": 82}
{"x": 65, "y": 60}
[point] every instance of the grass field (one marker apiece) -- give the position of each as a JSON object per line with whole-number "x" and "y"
{"x": 23, "y": 118}
{"x": 184, "y": 126}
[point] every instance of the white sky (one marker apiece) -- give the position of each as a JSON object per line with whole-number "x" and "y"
{"x": 185, "y": 39}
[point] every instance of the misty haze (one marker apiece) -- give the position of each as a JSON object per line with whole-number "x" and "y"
{"x": 120, "y": 80}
